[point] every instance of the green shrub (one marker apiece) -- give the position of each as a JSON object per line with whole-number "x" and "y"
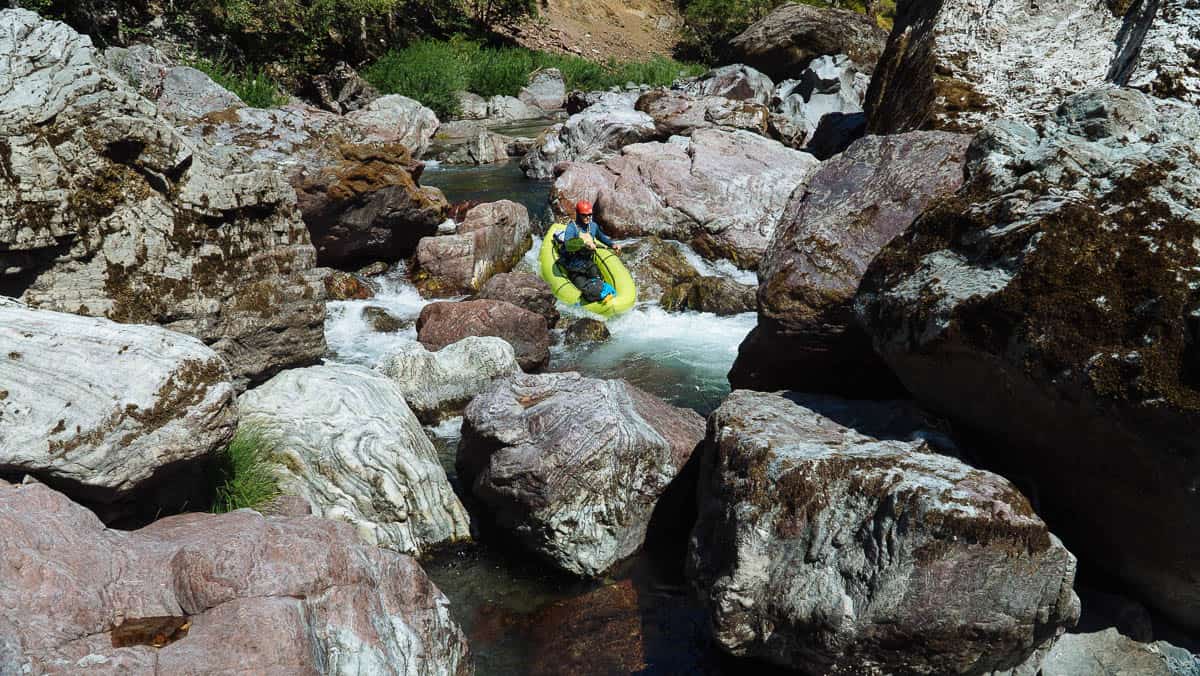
{"x": 429, "y": 71}
{"x": 246, "y": 478}
{"x": 254, "y": 87}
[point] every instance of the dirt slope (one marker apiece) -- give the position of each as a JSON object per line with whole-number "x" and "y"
{"x": 603, "y": 29}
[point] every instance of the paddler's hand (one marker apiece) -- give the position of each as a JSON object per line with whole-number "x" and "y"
{"x": 588, "y": 241}
{"x": 617, "y": 248}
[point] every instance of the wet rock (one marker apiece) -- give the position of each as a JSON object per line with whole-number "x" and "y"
{"x": 438, "y": 385}
{"x": 719, "y": 295}
{"x": 382, "y": 321}
{"x": 572, "y": 467}
{"x": 373, "y": 270}
{"x": 443, "y": 323}
{"x": 960, "y": 64}
{"x": 342, "y": 90}
{"x": 721, "y": 190}
{"x": 1108, "y": 652}
{"x": 224, "y": 593}
{"x": 656, "y": 266}
{"x": 394, "y": 119}
{"x": 107, "y": 408}
{"x": 736, "y": 82}
{"x": 347, "y": 442}
{"x": 106, "y": 210}
{"x": 566, "y": 633}
{"x": 546, "y": 90}
{"x": 491, "y": 239}
{"x": 586, "y": 331}
{"x": 677, "y": 113}
{"x": 368, "y": 206}
{"x": 593, "y": 135}
{"x": 818, "y": 545}
{"x": 806, "y": 338}
{"x": 346, "y": 286}
{"x": 784, "y": 43}
{"x": 524, "y": 290}
{"x": 1050, "y": 304}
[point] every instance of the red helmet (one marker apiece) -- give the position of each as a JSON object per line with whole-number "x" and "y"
{"x": 584, "y": 207}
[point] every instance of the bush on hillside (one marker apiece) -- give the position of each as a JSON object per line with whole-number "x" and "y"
{"x": 254, "y": 87}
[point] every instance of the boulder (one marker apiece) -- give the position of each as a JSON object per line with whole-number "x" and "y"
{"x": 718, "y": 295}
{"x": 677, "y": 113}
{"x": 443, "y": 323}
{"x": 819, "y": 544}
{"x": 106, "y": 210}
{"x": 546, "y": 90}
{"x": 341, "y": 90}
{"x": 571, "y": 466}
{"x": 806, "y": 338}
{"x": 783, "y": 43}
{"x": 105, "y": 408}
{"x": 525, "y": 290}
{"x": 586, "y": 330}
{"x": 510, "y": 109}
{"x": 835, "y": 133}
{"x": 394, "y": 119}
{"x": 959, "y": 64}
{"x": 347, "y": 442}
{"x": 1050, "y": 304}
{"x": 289, "y": 138}
{"x": 720, "y": 190}
{"x": 438, "y": 385}
{"x": 656, "y": 266}
{"x": 188, "y": 93}
{"x": 578, "y": 101}
{"x": 830, "y": 85}
{"x": 346, "y": 286}
{"x": 491, "y": 239}
{"x": 204, "y": 593}
{"x": 367, "y": 206}
{"x": 143, "y": 67}
{"x": 1108, "y": 652}
{"x": 471, "y": 106}
{"x": 469, "y": 142}
{"x": 593, "y": 135}
{"x": 736, "y": 81}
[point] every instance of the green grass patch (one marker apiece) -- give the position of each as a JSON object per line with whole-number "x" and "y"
{"x": 254, "y": 87}
{"x": 431, "y": 71}
{"x": 246, "y": 478}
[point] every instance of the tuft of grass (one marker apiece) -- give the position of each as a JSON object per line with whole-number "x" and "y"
{"x": 431, "y": 71}
{"x": 254, "y": 87}
{"x": 246, "y": 478}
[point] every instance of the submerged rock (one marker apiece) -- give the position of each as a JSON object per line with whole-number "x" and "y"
{"x": 586, "y": 330}
{"x": 443, "y": 323}
{"x": 719, "y": 295}
{"x": 818, "y": 546}
{"x": 347, "y": 442}
{"x": 204, "y": 593}
{"x": 491, "y": 239}
{"x": 1051, "y": 304}
{"x": 656, "y": 266}
{"x": 571, "y": 466}
{"x": 108, "y": 408}
{"x": 107, "y": 210}
{"x": 382, "y": 321}
{"x": 855, "y": 204}
{"x": 439, "y": 384}
{"x": 784, "y": 43}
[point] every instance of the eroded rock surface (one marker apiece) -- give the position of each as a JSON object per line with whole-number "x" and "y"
{"x": 818, "y": 545}
{"x": 104, "y": 406}
{"x": 806, "y": 338}
{"x": 1051, "y": 304}
{"x": 106, "y": 210}
{"x": 574, "y": 466}
{"x": 736, "y": 82}
{"x": 219, "y": 593}
{"x": 492, "y": 238}
{"x": 783, "y": 43}
{"x": 523, "y": 289}
{"x": 546, "y": 90}
{"x": 439, "y": 384}
{"x": 657, "y": 266}
{"x": 719, "y": 295}
{"x": 349, "y": 444}
{"x": 676, "y": 113}
{"x": 443, "y": 323}
{"x": 592, "y": 135}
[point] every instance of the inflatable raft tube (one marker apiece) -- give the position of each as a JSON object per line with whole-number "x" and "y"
{"x": 611, "y": 269}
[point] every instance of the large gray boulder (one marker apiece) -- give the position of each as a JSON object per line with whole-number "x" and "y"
{"x": 572, "y": 466}
{"x": 546, "y": 90}
{"x": 855, "y": 204}
{"x": 492, "y": 238}
{"x": 819, "y": 546}
{"x": 737, "y": 82}
{"x": 676, "y": 113}
{"x": 189, "y": 93}
{"x": 593, "y": 135}
{"x": 784, "y": 43}
{"x": 347, "y": 442}
{"x": 394, "y": 119}
{"x": 1051, "y": 304}
{"x": 830, "y": 85}
{"x": 959, "y": 64}
{"x": 1108, "y": 652}
{"x": 106, "y": 210}
{"x": 204, "y": 593}
{"x": 439, "y": 384}
{"x": 720, "y": 190}
{"x": 107, "y": 407}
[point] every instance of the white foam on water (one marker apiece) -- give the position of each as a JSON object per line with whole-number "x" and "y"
{"x": 719, "y": 268}
{"x": 351, "y": 338}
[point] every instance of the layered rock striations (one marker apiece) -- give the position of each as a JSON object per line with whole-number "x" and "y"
{"x": 492, "y": 239}
{"x": 439, "y": 384}
{"x": 854, "y": 205}
{"x": 572, "y": 466}
{"x": 821, "y": 547}
{"x": 106, "y": 210}
{"x": 1050, "y": 307}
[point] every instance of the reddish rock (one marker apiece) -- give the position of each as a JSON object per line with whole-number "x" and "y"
{"x": 203, "y": 593}
{"x": 525, "y": 290}
{"x": 346, "y": 286}
{"x": 491, "y": 239}
{"x": 565, "y": 634}
{"x": 443, "y": 323}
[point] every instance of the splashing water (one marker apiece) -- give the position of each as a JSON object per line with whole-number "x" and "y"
{"x": 350, "y": 336}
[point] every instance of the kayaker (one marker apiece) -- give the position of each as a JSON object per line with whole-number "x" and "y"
{"x": 577, "y": 255}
